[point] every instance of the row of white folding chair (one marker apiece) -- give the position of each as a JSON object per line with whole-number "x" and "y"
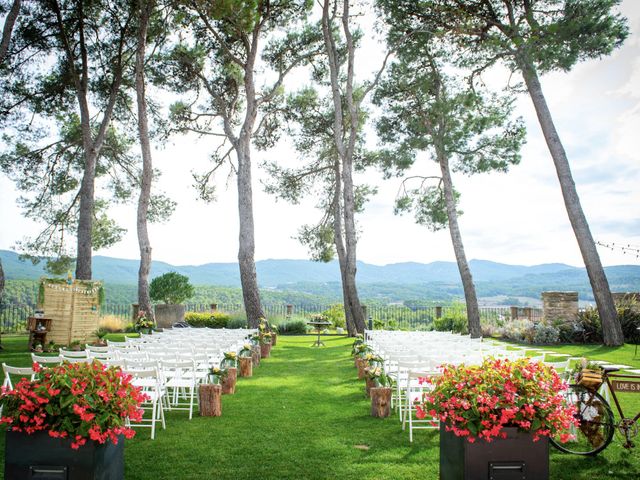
{"x": 178, "y": 377}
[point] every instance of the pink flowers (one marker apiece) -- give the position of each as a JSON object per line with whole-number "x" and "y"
{"x": 479, "y": 401}
{"x": 77, "y": 401}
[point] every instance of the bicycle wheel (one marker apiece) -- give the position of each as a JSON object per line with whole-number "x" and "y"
{"x": 596, "y": 423}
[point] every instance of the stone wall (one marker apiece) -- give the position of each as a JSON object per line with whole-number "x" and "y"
{"x": 560, "y": 306}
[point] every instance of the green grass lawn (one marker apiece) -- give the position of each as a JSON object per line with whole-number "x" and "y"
{"x": 303, "y": 415}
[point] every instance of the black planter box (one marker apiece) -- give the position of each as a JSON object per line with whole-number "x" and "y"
{"x": 42, "y": 457}
{"x": 516, "y": 457}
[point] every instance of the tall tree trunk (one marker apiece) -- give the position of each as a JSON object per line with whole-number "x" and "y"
{"x": 338, "y": 235}
{"x": 471, "y": 299}
{"x": 9, "y": 22}
{"x": 611, "y": 329}
{"x": 345, "y": 153}
{"x": 144, "y": 300}
{"x": 85, "y": 219}
{"x": 246, "y": 250}
{"x": 1, "y": 280}
{"x": 350, "y": 243}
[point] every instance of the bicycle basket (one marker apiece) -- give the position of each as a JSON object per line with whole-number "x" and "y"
{"x": 591, "y": 379}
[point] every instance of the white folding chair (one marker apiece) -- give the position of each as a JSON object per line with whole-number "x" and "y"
{"x": 46, "y": 360}
{"x": 8, "y": 371}
{"x": 413, "y": 393}
{"x": 180, "y": 382}
{"x": 148, "y": 380}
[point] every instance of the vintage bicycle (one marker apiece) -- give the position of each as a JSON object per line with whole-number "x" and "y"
{"x": 597, "y": 423}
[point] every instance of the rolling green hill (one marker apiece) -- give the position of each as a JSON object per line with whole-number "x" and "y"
{"x": 306, "y": 282}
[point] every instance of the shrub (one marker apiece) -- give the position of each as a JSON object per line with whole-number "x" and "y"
{"x": 629, "y": 316}
{"x": 452, "y": 322}
{"x": 237, "y": 322}
{"x": 545, "y": 333}
{"x": 335, "y": 315}
{"x": 588, "y": 326}
{"x": 206, "y": 319}
{"x": 112, "y": 324}
{"x": 171, "y": 288}
{"x": 293, "y": 327}
{"x": 518, "y": 330}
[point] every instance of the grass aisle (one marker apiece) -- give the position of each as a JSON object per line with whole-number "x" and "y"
{"x": 300, "y": 416}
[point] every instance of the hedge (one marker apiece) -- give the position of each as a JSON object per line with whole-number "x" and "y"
{"x": 210, "y": 320}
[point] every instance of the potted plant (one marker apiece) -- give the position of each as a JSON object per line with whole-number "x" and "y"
{"x": 245, "y": 360}
{"x": 265, "y": 345}
{"x": 71, "y": 417}
{"x": 380, "y": 391}
{"x": 100, "y": 334}
{"x": 143, "y": 323}
{"x": 172, "y": 289}
{"x": 497, "y": 415}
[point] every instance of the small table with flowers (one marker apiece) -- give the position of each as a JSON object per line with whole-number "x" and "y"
{"x": 38, "y": 328}
{"x": 318, "y": 325}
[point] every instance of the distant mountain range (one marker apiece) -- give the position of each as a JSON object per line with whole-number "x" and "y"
{"x": 272, "y": 273}
{"x": 312, "y": 277}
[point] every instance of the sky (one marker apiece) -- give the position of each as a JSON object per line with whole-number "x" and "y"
{"x": 516, "y": 218}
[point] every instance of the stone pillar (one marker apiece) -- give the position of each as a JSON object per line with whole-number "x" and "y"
{"x": 289, "y": 310}
{"x": 560, "y": 306}
{"x": 214, "y": 307}
{"x": 514, "y": 313}
{"x": 135, "y": 308}
{"x": 438, "y": 312}
{"x": 528, "y": 313}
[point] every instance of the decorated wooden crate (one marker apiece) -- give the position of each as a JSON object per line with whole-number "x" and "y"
{"x": 73, "y": 307}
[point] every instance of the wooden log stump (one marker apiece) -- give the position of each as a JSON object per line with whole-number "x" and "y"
{"x": 362, "y": 364}
{"x": 369, "y": 385}
{"x": 229, "y": 383}
{"x": 380, "y": 402}
{"x": 246, "y": 366}
{"x": 255, "y": 355}
{"x": 210, "y": 400}
{"x": 265, "y": 350}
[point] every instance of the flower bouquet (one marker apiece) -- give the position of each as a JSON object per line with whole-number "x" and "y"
{"x": 479, "y": 402}
{"x": 143, "y": 323}
{"x": 245, "y": 351}
{"x": 229, "y": 360}
{"x": 379, "y": 389}
{"x": 217, "y": 375}
{"x": 265, "y": 345}
{"x": 75, "y": 401}
{"x": 245, "y": 360}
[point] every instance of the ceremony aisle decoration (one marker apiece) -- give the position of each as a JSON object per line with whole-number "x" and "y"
{"x": 71, "y": 416}
{"x": 499, "y": 412}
